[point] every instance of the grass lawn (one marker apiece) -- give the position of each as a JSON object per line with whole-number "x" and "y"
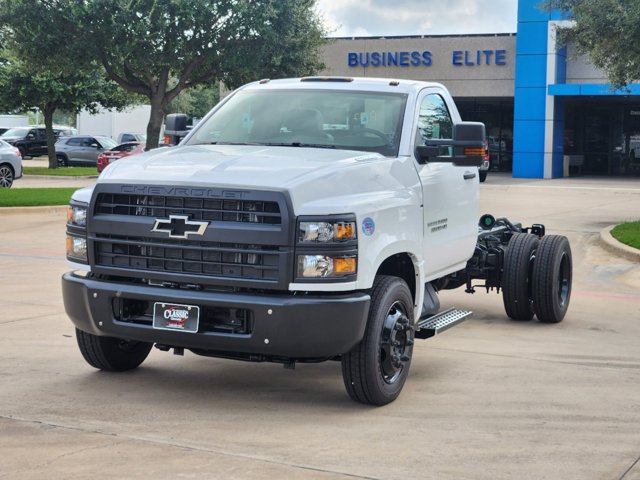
{"x": 33, "y": 197}
{"x": 628, "y": 233}
{"x": 62, "y": 171}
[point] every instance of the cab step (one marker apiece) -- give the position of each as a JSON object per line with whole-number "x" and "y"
{"x": 430, "y": 326}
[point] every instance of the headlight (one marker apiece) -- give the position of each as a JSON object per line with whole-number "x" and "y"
{"x": 326, "y": 232}
{"x": 77, "y": 216}
{"x": 326, "y": 266}
{"x": 76, "y": 248}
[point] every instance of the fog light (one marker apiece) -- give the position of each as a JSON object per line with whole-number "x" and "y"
{"x": 77, "y": 248}
{"x": 314, "y": 266}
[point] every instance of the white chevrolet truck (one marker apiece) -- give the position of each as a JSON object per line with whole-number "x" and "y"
{"x": 302, "y": 220}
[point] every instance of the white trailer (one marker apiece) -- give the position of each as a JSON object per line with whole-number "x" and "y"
{"x": 10, "y": 121}
{"x": 112, "y": 123}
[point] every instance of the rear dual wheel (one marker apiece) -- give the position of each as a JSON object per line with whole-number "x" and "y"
{"x": 537, "y": 277}
{"x": 552, "y": 276}
{"x": 517, "y": 276}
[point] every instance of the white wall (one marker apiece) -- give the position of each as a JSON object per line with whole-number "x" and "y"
{"x": 112, "y": 123}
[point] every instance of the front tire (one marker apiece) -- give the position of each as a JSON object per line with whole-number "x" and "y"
{"x": 62, "y": 160}
{"x": 552, "y": 276}
{"x": 112, "y": 354}
{"x": 375, "y": 370}
{"x": 483, "y": 175}
{"x": 516, "y": 279}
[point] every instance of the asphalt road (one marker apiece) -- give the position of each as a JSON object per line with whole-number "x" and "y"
{"x": 489, "y": 399}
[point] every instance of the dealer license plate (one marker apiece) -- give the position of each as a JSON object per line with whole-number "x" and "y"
{"x": 172, "y": 316}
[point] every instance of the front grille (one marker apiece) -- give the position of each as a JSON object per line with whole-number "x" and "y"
{"x": 228, "y": 260}
{"x": 246, "y": 243}
{"x": 158, "y": 206}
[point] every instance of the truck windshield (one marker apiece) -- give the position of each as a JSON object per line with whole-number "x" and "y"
{"x": 368, "y": 121}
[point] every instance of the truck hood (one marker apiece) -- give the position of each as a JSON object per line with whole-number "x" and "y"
{"x": 317, "y": 180}
{"x": 231, "y": 165}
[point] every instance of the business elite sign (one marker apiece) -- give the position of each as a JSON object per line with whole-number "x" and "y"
{"x": 459, "y": 58}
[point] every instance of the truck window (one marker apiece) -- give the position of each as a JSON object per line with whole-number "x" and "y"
{"x": 434, "y": 120}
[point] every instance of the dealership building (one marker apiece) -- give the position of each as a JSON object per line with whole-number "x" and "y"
{"x": 548, "y": 112}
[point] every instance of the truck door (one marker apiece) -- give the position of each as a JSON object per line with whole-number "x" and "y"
{"x": 450, "y": 193}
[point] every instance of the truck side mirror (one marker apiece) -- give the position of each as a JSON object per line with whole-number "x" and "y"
{"x": 467, "y": 144}
{"x": 176, "y": 122}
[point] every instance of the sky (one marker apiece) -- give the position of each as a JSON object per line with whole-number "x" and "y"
{"x": 367, "y": 18}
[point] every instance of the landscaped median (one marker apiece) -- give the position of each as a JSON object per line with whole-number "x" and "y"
{"x": 628, "y": 233}
{"x": 61, "y": 171}
{"x": 35, "y": 197}
{"x": 622, "y": 240}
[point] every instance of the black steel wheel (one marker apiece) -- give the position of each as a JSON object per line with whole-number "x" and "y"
{"x": 112, "y": 354}
{"x": 552, "y": 277}
{"x": 517, "y": 276}
{"x": 6, "y": 176}
{"x": 374, "y": 372}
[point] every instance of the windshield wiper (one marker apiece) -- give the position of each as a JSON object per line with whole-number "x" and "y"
{"x": 228, "y": 143}
{"x": 271, "y": 144}
{"x": 298, "y": 144}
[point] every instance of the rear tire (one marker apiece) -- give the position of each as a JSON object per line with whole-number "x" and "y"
{"x": 375, "y": 370}
{"x": 517, "y": 276}
{"x": 552, "y": 276}
{"x": 112, "y": 354}
{"x": 6, "y": 176}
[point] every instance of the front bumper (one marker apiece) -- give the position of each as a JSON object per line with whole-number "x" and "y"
{"x": 289, "y": 326}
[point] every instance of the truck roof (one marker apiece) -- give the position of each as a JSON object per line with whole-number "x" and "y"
{"x": 343, "y": 83}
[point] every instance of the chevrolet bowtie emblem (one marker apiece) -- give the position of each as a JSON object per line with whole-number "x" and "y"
{"x": 179, "y": 226}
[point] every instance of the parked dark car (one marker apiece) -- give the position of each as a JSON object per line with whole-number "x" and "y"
{"x": 32, "y": 141}
{"x": 82, "y": 149}
{"x": 118, "y": 152}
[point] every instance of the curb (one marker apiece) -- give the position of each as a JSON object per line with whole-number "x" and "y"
{"x": 614, "y": 246}
{"x": 59, "y": 177}
{"x": 51, "y": 210}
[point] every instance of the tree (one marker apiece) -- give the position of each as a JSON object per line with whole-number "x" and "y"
{"x": 608, "y": 31}
{"x": 22, "y": 90}
{"x": 158, "y": 48}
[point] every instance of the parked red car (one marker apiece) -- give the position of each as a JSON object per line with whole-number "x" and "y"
{"x": 118, "y": 152}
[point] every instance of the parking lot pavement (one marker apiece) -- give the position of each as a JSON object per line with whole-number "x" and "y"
{"x": 489, "y": 399}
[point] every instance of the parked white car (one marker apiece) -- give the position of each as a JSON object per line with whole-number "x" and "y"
{"x": 10, "y": 164}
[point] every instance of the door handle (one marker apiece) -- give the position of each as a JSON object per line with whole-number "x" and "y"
{"x": 469, "y": 175}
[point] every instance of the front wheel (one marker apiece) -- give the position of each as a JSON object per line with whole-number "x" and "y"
{"x": 375, "y": 370}
{"x": 112, "y": 354}
{"x": 62, "y": 160}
